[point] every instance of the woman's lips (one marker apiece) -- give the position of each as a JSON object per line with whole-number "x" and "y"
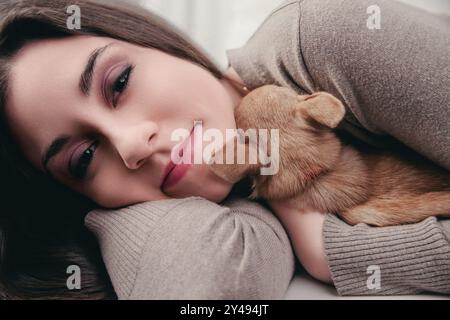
{"x": 175, "y": 172}
{"x": 175, "y": 175}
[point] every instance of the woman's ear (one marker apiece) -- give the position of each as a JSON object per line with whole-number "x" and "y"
{"x": 323, "y": 108}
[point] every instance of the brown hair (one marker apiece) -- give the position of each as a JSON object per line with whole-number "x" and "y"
{"x": 41, "y": 227}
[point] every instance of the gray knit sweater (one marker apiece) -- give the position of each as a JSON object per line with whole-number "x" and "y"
{"x": 394, "y": 82}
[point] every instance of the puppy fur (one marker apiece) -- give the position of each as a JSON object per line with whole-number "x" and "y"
{"x": 318, "y": 171}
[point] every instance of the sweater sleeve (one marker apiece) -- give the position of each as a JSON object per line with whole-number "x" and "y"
{"x": 393, "y": 80}
{"x": 396, "y": 260}
{"x": 194, "y": 249}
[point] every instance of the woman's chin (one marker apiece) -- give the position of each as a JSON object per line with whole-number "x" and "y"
{"x": 216, "y": 190}
{"x": 201, "y": 182}
{"x": 212, "y": 191}
{"x": 219, "y": 196}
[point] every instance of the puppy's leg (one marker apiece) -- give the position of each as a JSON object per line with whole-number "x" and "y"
{"x": 401, "y": 210}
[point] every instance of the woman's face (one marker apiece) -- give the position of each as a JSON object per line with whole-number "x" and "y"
{"x": 116, "y": 128}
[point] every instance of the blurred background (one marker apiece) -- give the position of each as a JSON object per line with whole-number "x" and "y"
{"x": 218, "y": 25}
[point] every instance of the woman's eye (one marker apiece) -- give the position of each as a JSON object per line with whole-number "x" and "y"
{"x": 120, "y": 84}
{"x": 79, "y": 170}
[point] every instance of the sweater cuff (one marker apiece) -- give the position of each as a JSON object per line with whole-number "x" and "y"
{"x": 122, "y": 234}
{"x": 395, "y": 260}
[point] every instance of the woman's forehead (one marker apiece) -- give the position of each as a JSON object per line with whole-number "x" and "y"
{"x": 42, "y": 63}
{"x": 41, "y": 76}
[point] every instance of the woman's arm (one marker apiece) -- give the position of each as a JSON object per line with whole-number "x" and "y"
{"x": 194, "y": 249}
{"x": 305, "y": 231}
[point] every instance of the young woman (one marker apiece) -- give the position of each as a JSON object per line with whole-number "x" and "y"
{"x": 87, "y": 117}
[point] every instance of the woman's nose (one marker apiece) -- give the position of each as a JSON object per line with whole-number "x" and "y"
{"x": 135, "y": 143}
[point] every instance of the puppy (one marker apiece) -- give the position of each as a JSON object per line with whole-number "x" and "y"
{"x": 318, "y": 171}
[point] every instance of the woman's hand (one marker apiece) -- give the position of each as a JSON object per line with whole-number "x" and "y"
{"x": 305, "y": 232}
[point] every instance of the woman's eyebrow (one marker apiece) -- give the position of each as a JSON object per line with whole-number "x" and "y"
{"x": 88, "y": 72}
{"x": 55, "y": 147}
{"x": 85, "y": 84}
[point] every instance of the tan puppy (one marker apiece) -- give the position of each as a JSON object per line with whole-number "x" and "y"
{"x": 317, "y": 171}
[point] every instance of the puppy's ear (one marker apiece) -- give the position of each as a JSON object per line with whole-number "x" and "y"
{"x": 323, "y": 108}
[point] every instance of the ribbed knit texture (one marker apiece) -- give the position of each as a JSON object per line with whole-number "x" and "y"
{"x": 411, "y": 258}
{"x": 122, "y": 235}
{"x": 194, "y": 249}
